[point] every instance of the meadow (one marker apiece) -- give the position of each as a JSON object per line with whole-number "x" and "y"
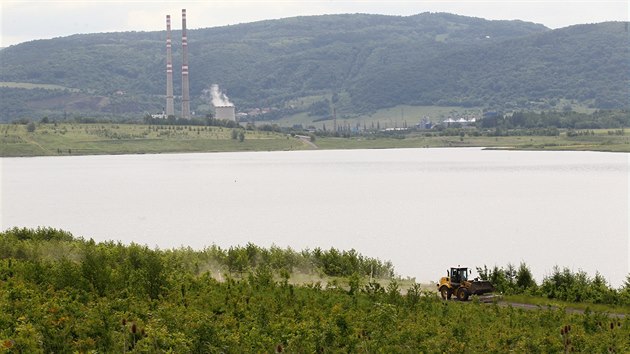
{"x": 600, "y": 141}
{"x": 30, "y": 86}
{"x": 391, "y": 117}
{"x": 97, "y": 139}
{"x": 57, "y": 139}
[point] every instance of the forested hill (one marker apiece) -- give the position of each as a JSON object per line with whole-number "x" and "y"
{"x": 587, "y": 63}
{"x": 369, "y": 61}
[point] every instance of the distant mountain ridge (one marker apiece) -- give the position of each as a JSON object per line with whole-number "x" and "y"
{"x": 365, "y": 62}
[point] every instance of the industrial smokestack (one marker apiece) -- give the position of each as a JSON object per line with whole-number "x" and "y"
{"x": 170, "y": 107}
{"x": 185, "y": 87}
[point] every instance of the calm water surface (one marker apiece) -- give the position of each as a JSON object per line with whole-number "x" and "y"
{"x": 423, "y": 209}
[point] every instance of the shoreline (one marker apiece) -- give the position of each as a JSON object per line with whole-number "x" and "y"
{"x": 483, "y": 148}
{"x": 83, "y": 139}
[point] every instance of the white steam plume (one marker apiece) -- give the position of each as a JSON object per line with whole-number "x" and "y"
{"x": 219, "y": 99}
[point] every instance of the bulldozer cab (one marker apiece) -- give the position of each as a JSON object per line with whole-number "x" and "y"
{"x": 458, "y": 275}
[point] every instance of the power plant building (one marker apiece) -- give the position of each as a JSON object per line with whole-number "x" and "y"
{"x": 225, "y": 113}
{"x": 224, "y": 109}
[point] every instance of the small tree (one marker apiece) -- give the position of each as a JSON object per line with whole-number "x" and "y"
{"x": 30, "y": 127}
{"x": 241, "y": 136}
{"x": 624, "y": 292}
{"x": 510, "y": 273}
{"x": 524, "y": 278}
{"x": 498, "y": 279}
{"x": 393, "y": 291}
{"x": 354, "y": 282}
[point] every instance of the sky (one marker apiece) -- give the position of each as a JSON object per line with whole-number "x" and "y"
{"x": 26, "y": 20}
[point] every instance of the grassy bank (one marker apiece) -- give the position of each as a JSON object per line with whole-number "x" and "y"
{"x": 97, "y": 139}
{"x": 600, "y": 141}
{"x": 107, "y": 138}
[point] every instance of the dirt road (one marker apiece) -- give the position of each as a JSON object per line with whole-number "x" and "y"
{"x": 307, "y": 140}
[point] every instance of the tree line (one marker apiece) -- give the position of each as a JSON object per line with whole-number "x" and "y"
{"x": 562, "y": 284}
{"x": 208, "y": 120}
{"x": 601, "y": 119}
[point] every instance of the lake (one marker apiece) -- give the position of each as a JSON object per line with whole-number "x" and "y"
{"x": 423, "y": 209}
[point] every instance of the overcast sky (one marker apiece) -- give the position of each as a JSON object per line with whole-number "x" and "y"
{"x": 25, "y": 20}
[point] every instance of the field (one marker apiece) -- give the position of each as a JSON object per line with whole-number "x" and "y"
{"x": 386, "y": 118}
{"x": 107, "y": 138}
{"x": 601, "y": 141}
{"x": 30, "y": 86}
{"x": 96, "y": 139}
{"x": 397, "y": 116}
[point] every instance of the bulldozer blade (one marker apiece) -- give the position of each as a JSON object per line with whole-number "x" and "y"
{"x": 481, "y": 287}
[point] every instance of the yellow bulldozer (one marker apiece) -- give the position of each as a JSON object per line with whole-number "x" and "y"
{"x": 456, "y": 282}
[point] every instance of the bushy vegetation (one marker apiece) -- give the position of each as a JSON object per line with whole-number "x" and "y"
{"x": 562, "y": 284}
{"x": 602, "y": 119}
{"x": 63, "y": 294}
{"x": 207, "y": 121}
{"x": 237, "y": 260}
{"x": 12, "y": 102}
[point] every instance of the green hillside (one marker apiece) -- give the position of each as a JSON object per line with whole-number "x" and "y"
{"x": 586, "y": 63}
{"x": 361, "y": 62}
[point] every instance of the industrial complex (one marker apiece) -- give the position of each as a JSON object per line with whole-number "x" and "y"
{"x": 223, "y": 111}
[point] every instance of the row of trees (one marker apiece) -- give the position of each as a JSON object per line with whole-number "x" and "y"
{"x": 208, "y": 120}
{"x": 562, "y": 284}
{"x": 332, "y": 262}
{"x": 62, "y": 294}
{"x": 105, "y": 269}
{"x": 602, "y": 119}
{"x": 45, "y": 244}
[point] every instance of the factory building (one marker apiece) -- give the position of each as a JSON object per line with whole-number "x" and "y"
{"x": 225, "y": 113}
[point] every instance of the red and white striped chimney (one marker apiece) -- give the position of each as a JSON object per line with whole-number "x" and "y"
{"x": 185, "y": 87}
{"x": 170, "y": 107}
